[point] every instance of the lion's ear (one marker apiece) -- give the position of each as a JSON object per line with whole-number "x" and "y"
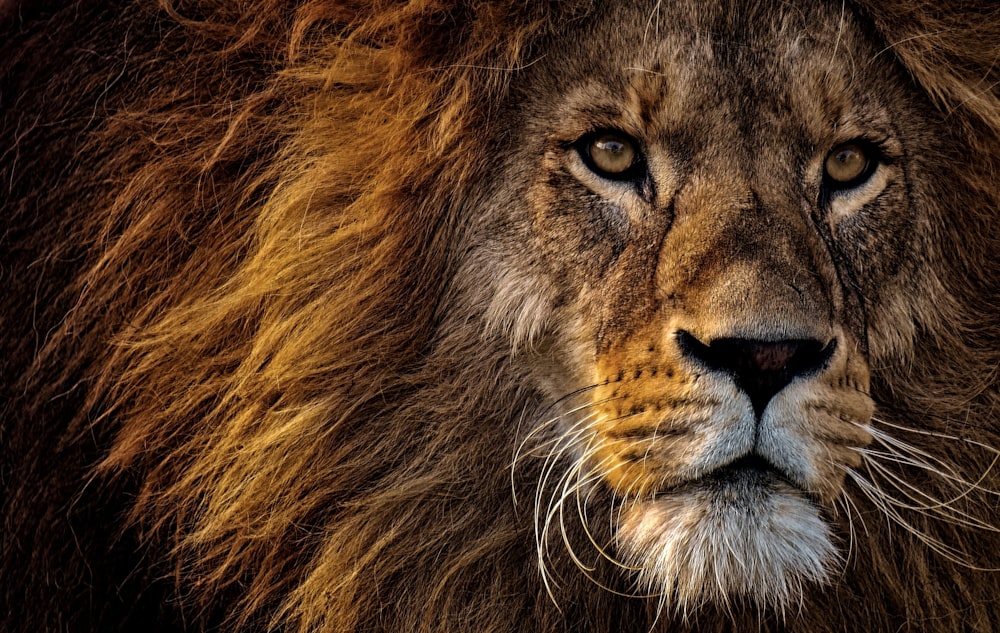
{"x": 951, "y": 48}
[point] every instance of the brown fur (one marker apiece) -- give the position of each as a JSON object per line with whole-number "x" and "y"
{"x": 243, "y": 384}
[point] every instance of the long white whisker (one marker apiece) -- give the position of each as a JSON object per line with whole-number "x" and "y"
{"x": 900, "y": 447}
{"x": 845, "y": 503}
{"x": 542, "y": 426}
{"x": 916, "y": 496}
{"x": 965, "y": 486}
{"x": 882, "y": 501}
{"x": 564, "y": 442}
{"x": 567, "y": 441}
{"x": 597, "y": 474}
{"x": 848, "y": 501}
{"x": 938, "y": 434}
{"x": 557, "y": 506}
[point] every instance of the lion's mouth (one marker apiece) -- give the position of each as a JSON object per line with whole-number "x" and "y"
{"x": 750, "y": 467}
{"x": 749, "y": 475}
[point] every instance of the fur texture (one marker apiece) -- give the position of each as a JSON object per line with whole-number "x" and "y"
{"x": 269, "y": 361}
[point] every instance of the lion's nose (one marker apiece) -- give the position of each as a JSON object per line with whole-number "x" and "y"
{"x": 760, "y": 368}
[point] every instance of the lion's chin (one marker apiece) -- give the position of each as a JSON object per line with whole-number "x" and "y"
{"x": 745, "y": 534}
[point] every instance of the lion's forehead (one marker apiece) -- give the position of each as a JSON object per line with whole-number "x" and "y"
{"x": 684, "y": 80}
{"x": 752, "y": 89}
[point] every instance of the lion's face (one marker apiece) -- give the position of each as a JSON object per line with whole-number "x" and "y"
{"x": 714, "y": 233}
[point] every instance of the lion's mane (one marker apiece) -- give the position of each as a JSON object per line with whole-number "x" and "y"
{"x": 239, "y": 388}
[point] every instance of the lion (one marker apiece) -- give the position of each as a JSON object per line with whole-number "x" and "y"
{"x": 500, "y": 316}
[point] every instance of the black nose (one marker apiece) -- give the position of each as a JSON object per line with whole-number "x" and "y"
{"x": 760, "y": 368}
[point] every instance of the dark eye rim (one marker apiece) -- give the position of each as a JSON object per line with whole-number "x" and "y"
{"x": 636, "y": 172}
{"x": 874, "y": 155}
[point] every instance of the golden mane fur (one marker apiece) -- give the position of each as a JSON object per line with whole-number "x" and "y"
{"x": 237, "y": 387}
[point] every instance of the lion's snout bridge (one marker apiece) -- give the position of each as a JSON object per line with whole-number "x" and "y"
{"x": 760, "y": 368}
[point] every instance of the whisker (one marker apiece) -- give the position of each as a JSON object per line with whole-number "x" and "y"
{"x": 568, "y": 490}
{"x": 551, "y": 422}
{"x": 944, "y": 509}
{"x": 938, "y": 434}
{"x": 884, "y": 503}
{"x": 557, "y": 506}
{"x": 568, "y": 440}
{"x": 548, "y": 423}
{"x": 565, "y": 441}
{"x": 895, "y": 444}
{"x": 851, "y": 535}
{"x": 965, "y": 486}
{"x": 850, "y": 504}
{"x": 581, "y": 504}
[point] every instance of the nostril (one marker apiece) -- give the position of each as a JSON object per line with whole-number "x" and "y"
{"x": 760, "y": 368}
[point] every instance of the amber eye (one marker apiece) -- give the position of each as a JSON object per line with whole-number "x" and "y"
{"x": 849, "y": 165}
{"x": 611, "y": 154}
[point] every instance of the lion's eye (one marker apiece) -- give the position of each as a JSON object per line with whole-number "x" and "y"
{"x": 611, "y": 154}
{"x": 849, "y": 165}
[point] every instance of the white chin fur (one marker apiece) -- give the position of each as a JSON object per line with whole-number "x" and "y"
{"x": 749, "y": 540}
